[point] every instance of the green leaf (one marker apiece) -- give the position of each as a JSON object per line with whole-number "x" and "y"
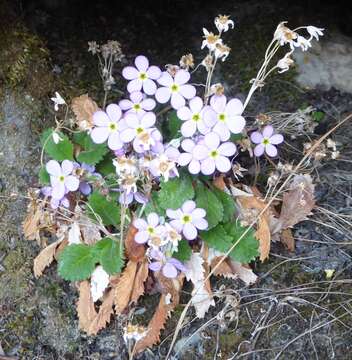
{"x": 223, "y": 237}
{"x": 44, "y": 177}
{"x": 207, "y": 200}
{"x": 60, "y": 151}
{"x": 106, "y": 167}
{"x": 92, "y": 153}
{"x": 227, "y": 202}
{"x": 175, "y": 192}
{"x": 109, "y": 211}
{"x": 217, "y": 238}
{"x": 184, "y": 251}
{"x": 110, "y": 255}
{"x": 318, "y": 116}
{"x": 173, "y": 125}
{"x": 248, "y": 247}
{"x": 153, "y": 205}
{"x": 236, "y": 137}
{"x": 76, "y": 262}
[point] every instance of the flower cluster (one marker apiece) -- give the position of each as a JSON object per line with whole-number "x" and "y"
{"x": 163, "y": 237}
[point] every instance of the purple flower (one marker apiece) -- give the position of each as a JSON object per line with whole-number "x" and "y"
{"x": 61, "y": 179}
{"x": 188, "y": 219}
{"x": 167, "y": 265}
{"x": 164, "y": 164}
{"x": 147, "y": 229}
{"x": 265, "y": 141}
{"x": 189, "y": 157}
{"x": 193, "y": 117}
{"x": 225, "y": 117}
{"x": 108, "y": 126}
{"x": 213, "y": 155}
{"x": 127, "y": 198}
{"x": 141, "y": 76}
{"x": 137, "y": 103}
{"x": 176, "y": 88}
{"x": 140, "y": 130}
{"x": 55, "y": 203}
{"x": 85, "y": 169}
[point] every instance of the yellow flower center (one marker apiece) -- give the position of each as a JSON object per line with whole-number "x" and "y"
{"x": 222, "y": 117}
{"x": 213, "y": 153}
{"x": 174, "y": 88}
{"x": 113, "y": 126}
{"x": 186, "y": 219}
{"x": 266, "y": 141}
{"x": 139, "y": 130}
{"x": 150, "y": 230}
{"x": 196, "y": 117}
{"x": 62, "y": 178}
{"x": 143, "y": 76}
{"x": 137, "y": 107}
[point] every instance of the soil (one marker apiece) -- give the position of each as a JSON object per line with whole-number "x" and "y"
{"x": 294, "y": 311}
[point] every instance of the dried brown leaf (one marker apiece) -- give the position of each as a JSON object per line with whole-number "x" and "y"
{"x": 134, "y": 251}
{"x": 85, "y": 306}
{"x": 103, "y": 317}
{"x": 298, "y": 202}
{"x": 141, "y": 277}
{"x": 288, "y": 240}
{"x": 219, "y": 183}
{"x": 44, "y": 258}
{"x": 224, "y": 269}
{"x": 60, "y": 248}
{"x": 90, "y": 233}
{"x": 84, "y": 108}
{"x": 31, "y": 224}
{"x": 244, "y": 272}
{"x": 124, "y": 287}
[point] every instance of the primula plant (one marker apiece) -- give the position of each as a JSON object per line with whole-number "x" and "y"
{"x": 146, "y": 190}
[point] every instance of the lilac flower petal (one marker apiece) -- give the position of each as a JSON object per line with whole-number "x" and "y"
{"x": 268, "y": 131}
{"x": 177, "y": 101}
{"x": 172, "y": 153}
{"x": 153, "y": 219}
{"x": 212, "y": 140}
{"x": 174, "y": 214}
{"x": 177, "y": 224}
{"x": 259, "y": 150}
{"x": 234, "y": 107}
{"x": 136, "y": 97}
{"x": 207, "y": 166}
{"x": 218, "y": 103}
{"x": 130, "y": 73}
{"x": 54, "y": 203}
{"x": 156, "y": 254}
{"x": 169, "y": 271}
{"x": 141, "y": 63}
{"x": 149, "y": 87}
{"x": 189, "y": 231}
{"x": 198, "y": 213}
{"x": 155, "y": 266}
{"x": 188, "y": 91}
{"x": 148, "y": 120}
{"x": 148, "y": 104}
{"x": 162, "y": 95}
{"x": 165, "y": 79}
{"x": 271, "y": 150}
{"x": 276, "y": 139}
{"x": 114, "y": 142}
{"x": 140, "y": 224}
{"x": 222, "y": 130}
{"x": 194, "y": 167}
{"x": 200, "y": 152}
{"x": 178, "y": 264}
{"x": 126, "y": 104}
{"x": 114, "y": 112}
{"x": 196, "y": 104}
{"x": 184, "y": 113}
{"x": 132, "y": 120}
{"x": 200, "y": 224}
{"x": 227, "y": 149}
{"x": 67, "y": 167}
{"x": 203, "y": 128}
{"x": 188, "y": 128}
{"x": 53, "y": 168}
{"x": 140, "y": 198}
{"x": 85, "y": 188}
{"x": 209, "y": 116}
{"x": 181, "y": 77}
{"x": 141, "y": 237}
{"x": 256, "y": 137}
{"x": 188, "y": 206}
{"x": 65, "y": 202}
{"x": 126, "y": 199}
{"x": 46, "y": 190}
{"x": 236, "y": 124}
{"x": 188, "y": 145}
{"x": 100, "y": 118}
{"x": 71, "y": 182}
{"x": 134, "y": 85}
{"x": 154, "y": 72}
{"x": 184, "y": 159}
{"x": 223, "y": 164}
{"x": 58, "y": 190}
{"x": 99, "y": 134}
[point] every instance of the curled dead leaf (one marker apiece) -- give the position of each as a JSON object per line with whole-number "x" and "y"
{"x": 134, "y": 251}
{"x": 84, "y": 108}
{"x": 45, "y": 258}
{"x": 141, "y": 277}
{"x": 245, "y": 273}
{"x": 85, "y": 306}
{"x": 224, "y": 269}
